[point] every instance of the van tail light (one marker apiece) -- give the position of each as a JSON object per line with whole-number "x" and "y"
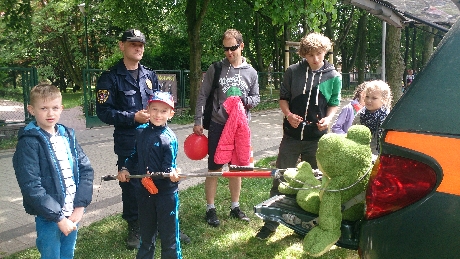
{"x": 395, "y": 183}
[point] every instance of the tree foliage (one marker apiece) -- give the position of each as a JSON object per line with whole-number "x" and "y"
{"x": 187, "y": 34}
{"x": 311, "y": 12}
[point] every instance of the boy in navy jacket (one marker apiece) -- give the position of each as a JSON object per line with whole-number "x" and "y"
{"x": 53, "y": 173}
{"x": 158, "y": 200}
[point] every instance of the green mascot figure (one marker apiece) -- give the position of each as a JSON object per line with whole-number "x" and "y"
{"x": 345, "y": 161}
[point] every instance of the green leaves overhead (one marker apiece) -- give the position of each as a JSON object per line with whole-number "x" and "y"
{"x": 285, "y": 12}
{"x": 16, "y": 14}
{"x": 50, "y": 35}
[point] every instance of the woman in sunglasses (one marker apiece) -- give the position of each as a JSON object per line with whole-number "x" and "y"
{"x": 235, "y": 78}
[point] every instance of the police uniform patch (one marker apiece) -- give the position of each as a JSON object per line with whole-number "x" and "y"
{"x": 149, "y": 83}
{"x": 102, "y": 96}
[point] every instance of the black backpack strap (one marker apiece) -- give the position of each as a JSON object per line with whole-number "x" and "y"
{"x": 215, "y": 82}
{"x": 217, "y": 70}
{"x": 207, "y": 111}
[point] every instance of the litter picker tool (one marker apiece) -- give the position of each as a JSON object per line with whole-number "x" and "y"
{"x": 267, "y": 173}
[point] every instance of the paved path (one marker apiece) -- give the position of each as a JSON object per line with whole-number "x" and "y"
{"x": 17, "y": 229}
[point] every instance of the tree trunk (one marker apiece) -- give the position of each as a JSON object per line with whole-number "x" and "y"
{"x": 67, "y": 61}
{"x": 348, "y": 58}
{"x": 362, "y": 42}
{"x": 414, "y": 51}
{"x": 259, "y": 60}
{"x": 278, "y": 53}
{"x": 406, "y": 53}
{"x": 394, "y": 62}
{"x": 287, "y": 37}
{"x": 195, "y": 17}
{"x": 428, "y": 45}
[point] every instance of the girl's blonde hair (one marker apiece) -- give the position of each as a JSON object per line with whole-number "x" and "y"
{"x": 384, "y": 88}
{"x": 359, "y": 89}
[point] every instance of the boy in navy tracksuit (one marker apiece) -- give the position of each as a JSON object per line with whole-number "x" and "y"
{"x": 54, "y": 174}
{"x": 158, "y": 200}
{"x": 123, "y": 92}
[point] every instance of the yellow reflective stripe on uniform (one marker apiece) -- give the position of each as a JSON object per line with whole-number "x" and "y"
{"x": 444, "y": 150}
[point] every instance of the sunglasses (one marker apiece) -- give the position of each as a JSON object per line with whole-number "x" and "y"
{"x": 232, "y": 48}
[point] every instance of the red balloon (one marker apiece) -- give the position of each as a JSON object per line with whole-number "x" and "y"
{"x": 196, "y": 146}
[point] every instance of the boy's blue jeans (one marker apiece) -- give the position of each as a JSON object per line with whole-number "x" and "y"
{"x": 51, "y": 242}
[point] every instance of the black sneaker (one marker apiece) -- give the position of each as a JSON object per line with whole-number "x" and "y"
{"x": 184, "y": 238}
{"x": 133, "y": 240}
{"x": 264, "y": 233}
{"x": 238, "y": 214}
{"x": 211, "y": 218}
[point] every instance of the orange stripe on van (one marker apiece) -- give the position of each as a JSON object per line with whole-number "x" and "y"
{"x": 446, "y": 151}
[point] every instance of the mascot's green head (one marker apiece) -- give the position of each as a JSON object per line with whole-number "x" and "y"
{"x": 344, "y": 154}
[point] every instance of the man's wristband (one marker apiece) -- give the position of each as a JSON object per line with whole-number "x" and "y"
{"x": 124, "y": 169}
{"x": 287, "y": 116}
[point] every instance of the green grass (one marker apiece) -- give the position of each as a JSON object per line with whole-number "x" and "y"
{"x": 266, "y": 104}
{"x": 347, "y": 93}
{"x": 232, "y": 239}
{"x": 10, "y": 93}
{"x": 8, "y": 142}
{"x": 182, "y": 117}
{"x": 71, "y": 100}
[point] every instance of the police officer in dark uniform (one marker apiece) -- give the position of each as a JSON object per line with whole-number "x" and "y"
{"x": 122, "y": 97}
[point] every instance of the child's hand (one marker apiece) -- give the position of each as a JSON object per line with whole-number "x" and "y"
{"x": 174, "y": 175}
{"x": 294, "y": 120}
{"x": 66, "y": 226}
{"x": 77, "y": 214}
{"x": 323, "y": 123}
{"x": 122, "y": 175}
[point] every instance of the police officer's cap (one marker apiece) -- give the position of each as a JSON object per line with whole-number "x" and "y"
{"x": 133, "y": 35}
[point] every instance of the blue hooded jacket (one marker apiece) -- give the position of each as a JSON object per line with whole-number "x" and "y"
{"x": 39, "y": 175}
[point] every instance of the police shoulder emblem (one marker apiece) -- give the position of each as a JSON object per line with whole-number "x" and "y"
{"x": 102, "y": 96}
{"x": 148, "y": 83}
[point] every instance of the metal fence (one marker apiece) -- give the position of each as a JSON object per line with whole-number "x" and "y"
{"x": 14, "y": 114}
{"x": 16, "y": 80}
